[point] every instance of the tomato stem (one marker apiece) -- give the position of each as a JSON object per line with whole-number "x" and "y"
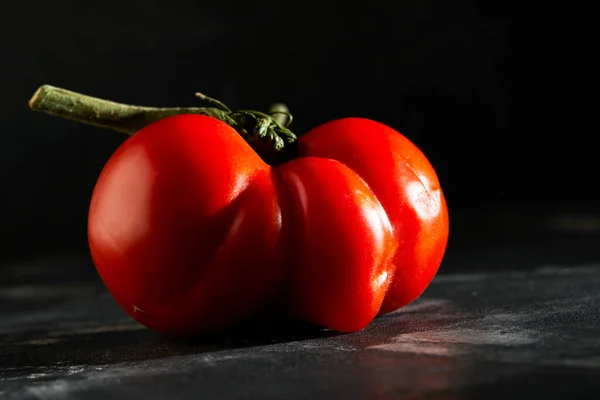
{"x": 267, "y": 133}
{"x": 281, "y": 114}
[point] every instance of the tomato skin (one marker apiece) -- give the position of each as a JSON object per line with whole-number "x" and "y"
{"x": 191, "y": 231}
{"x": 408, "y": 188}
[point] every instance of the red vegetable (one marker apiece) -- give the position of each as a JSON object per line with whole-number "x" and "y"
{"x": 191, "y": 230}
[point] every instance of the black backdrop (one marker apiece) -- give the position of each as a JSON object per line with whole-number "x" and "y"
{"x": 501, "y": 98}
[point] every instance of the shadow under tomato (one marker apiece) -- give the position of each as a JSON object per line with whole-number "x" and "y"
{"x": 132, "y": 342}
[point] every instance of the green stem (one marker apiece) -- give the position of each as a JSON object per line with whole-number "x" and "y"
{"x": 266, "y": 133}
{"x": 98, "y": 112}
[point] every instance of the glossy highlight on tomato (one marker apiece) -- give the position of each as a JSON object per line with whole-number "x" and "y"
{"x": 192, "y": 231}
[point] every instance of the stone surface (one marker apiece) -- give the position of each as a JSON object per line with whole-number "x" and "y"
{"x": 500, "y": 320}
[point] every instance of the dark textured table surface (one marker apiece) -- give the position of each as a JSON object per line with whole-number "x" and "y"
{"x": 513, "y": 313}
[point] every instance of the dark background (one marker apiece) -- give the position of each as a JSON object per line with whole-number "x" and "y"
{"x": 500, "y": 97}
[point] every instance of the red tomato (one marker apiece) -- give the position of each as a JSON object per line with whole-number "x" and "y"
{"x": 191, "y": 231}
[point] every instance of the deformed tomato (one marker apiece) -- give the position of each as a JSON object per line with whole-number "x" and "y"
{"x": 192, "y": 231}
